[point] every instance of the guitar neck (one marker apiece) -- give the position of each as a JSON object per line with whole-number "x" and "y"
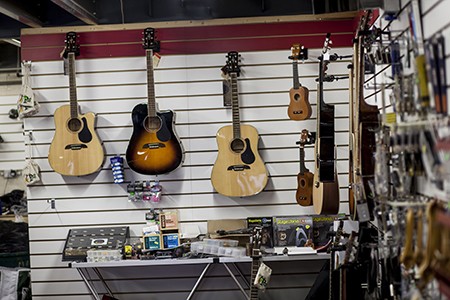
{"x": 151, "y": 103}
{"x": 72, "y": 86}
{"x": 253, "y": 288}
{"x": 295, "y": 74}
{"x": 235, "y": 107}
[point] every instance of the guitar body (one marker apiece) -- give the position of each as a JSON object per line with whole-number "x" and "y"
{"x": 299, "y": 106}
{"x": 326, "y": 195}
{"x": 75, "y": 152}
{"x": 153, "y": 152}
{"x": 304, "y": 194}
{"x": 238, "y": 174}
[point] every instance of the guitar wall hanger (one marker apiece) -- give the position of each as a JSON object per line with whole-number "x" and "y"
{"x": 331, "y": 78}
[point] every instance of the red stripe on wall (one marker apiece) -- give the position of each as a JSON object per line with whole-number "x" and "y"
{"x": 193, "y": 40}
{"x": 189, "y": 47}
{"x": 194, "y": 33}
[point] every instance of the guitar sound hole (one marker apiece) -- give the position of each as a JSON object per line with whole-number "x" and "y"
{"x": 297, "y": 97}
{"x": 74, "y": 124}
{"x": 237, "y": 145}
{"x": 302, "y": 183}
{"x": 152, "y": 124}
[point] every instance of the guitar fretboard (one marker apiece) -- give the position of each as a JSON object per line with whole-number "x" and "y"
{"x": 253, "y": 289}
{"x": 302, "y": 160}
{"x": 151, "y": 106}
{"x": 235, "y": 107}
{"x": 295, "y": 74}
{"x": 72, "y": 86}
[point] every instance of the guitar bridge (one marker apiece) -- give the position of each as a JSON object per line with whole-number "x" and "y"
{"x": 75, "y": 147}
{"x": 153, "y": 146}
{"x": 238, "y": 168}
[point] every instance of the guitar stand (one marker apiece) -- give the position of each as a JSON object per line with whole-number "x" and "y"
{"x": 217, "y": 261}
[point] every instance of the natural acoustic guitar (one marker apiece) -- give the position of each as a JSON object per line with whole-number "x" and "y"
{"x": 154, "y": 147}
{"x": 239, "y": 170}
{"x": 75, "y": 149}
{"x": 326, "y": 186}
{"x": 305, "y": 178}
{"x": 299, "y": 106}
{"x": 364, "y": 122}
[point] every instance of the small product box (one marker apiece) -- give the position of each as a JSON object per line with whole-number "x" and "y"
{"x": 171, "y": 240}
{"x": 267, "y": 230}
{"x": 293, "y": 231}
{"x": 168, "y": 220}
{"x": 152, "y": 242}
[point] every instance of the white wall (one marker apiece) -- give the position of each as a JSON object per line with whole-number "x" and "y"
{"x": 191, "y": 85}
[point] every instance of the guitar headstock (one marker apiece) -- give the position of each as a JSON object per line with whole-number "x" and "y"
{"x": 256, "y": 241}
{"x": 232, "y": 66}
{"x": 150, "y": 42}
{"x": 72, "y": 45}
{"x": 327, "y": 48}
{"x": 298, "y": 52}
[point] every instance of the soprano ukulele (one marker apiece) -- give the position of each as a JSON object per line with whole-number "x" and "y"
{"x": 239, "y": 170}
{"x": 305, "y": 178}
{"x": 154, "y": 147}
{"x": 299, "y": 106}
{"x": 75, "y": 149}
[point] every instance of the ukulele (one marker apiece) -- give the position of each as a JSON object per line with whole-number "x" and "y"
{"x": 154, "y": 147}
{"x": 256, "y": 261}
{"x": 326, "y": 186}
{"x": 238, "y": 170}
{"x": 305, "y": 178}
{"x": 363, "y": 125}
{"x": 299, "y": 106}
{"x": 75, "y": 149}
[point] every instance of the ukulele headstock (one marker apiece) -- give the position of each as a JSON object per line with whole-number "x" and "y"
{"x": 72, "y": 45}
{"x": 232, "y": 66}
{"x": 150, "y": 42}
{"x": 327, "y": 48}
{"x": 304, "y": 137}
{"x": 298, "y": 52}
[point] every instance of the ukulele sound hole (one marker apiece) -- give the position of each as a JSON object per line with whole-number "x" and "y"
{"x": 302, "y": 183}
{"x": 297, "y": 97}
{"x": 237, "y": 145}
{"x": 152, "y": 124}
{"x": 74, "y": 124}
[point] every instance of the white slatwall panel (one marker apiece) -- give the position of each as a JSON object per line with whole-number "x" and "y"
{"x": 192, "y": 86}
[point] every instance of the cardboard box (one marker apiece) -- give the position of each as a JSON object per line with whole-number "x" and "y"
{"x": 292, "y": 231}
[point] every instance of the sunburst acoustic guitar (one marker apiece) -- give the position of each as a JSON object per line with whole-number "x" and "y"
{"x": 326, "y": 186}
{"x": 154, "y": 147}
{"x": 238, "y": 170}
{"x": 75, "y": 149}
{"x": 305, "y": 178}
{"x": 299, "y": 107}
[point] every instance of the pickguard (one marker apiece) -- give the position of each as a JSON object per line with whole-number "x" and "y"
{"x": 248, "y": 157}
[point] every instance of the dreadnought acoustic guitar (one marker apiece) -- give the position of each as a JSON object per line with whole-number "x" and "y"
{"x": 75, "y": 149}
{"x": 326, "y": 186}
{"x": 305, "y": 178}
{"x": 299, "y": 106}
{"x": 154, "y": 147}
{"x": 239, "y": 170}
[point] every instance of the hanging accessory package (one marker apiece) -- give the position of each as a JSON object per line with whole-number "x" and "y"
{"x": 31, "y": 172}
{"x": 27, "y": 104}
{"x": 117, "y": 169}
